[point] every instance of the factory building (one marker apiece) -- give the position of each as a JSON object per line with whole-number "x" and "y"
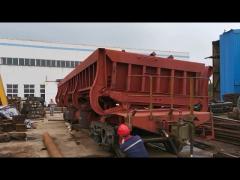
{"x": 33, "y": 68}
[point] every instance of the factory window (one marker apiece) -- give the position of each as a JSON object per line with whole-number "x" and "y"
{"x": 67, "y": 64}
{"x": 15, "y": 61}
{"x": 38, "y": 62}
{"x": 42, "y": 86}
{"x": 62, "y": 63}
{"x": 48, "y": 63}
{"x": 27, "y": 63}
{"x": 72, "y": 64}
{"x": 53, "y": 63}
{"x": 42, "y": 91}
{"x": 12, "y": 90}
{"x": 9, "y": 61}
{"x": 76, "y": 63}
{"x": 21, "y": 62}
{"x": 32, "y": 62}
{"x": 4, "y": 60}
{"x": 58, "y": 63}
{"x": 43, "y": 62}
{"x": 26, "y": 86}
{"x": 28, "y": 90}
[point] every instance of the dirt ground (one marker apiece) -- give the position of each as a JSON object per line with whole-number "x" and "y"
{"x": 79, "y": 144}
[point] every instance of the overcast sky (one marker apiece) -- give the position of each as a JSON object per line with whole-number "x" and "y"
{"x": 195, "y": 38}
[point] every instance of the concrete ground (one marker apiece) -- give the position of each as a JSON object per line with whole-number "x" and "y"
{"x": 79, "y": 144}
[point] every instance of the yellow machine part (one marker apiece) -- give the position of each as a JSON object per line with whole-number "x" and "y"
{"x": 3, "y": 97}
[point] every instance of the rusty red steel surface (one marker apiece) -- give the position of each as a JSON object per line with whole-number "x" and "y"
{"x": 118, "y": 83}
{"x": 52, "y": 148}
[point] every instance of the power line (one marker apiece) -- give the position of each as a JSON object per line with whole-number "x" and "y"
{"x": 97, "y": 46}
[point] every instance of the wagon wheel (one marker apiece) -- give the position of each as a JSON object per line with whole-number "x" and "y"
{"x": 64, "y": 116}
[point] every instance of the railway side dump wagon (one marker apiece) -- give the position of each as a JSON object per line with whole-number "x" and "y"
{"x": 162, "y": 96}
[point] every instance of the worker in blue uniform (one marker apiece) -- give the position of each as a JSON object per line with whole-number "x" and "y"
{"x": 131, "y": 146}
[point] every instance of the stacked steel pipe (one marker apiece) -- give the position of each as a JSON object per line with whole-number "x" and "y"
{"x": 227, "y": 130}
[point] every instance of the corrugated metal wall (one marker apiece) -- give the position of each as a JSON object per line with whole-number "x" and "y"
{"x": 230, "y": 62}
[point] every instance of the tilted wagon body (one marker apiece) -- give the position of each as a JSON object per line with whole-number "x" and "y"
{"x": 146, "y": 92}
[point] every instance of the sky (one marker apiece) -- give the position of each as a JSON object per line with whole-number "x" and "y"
{"x": 195, "y": 38}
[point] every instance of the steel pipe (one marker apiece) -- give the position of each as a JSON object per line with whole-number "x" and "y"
{"x": 51, "y": 146}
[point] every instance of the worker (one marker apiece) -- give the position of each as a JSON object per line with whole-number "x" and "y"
{"x": 131, "y": 146}
{"x": 51, "y": 106}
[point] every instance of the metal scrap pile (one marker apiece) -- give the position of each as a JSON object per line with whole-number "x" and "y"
{"x": 221, "y": 107}
{"x": 235, "y": 114}
{"x": 11, "y": 120}
{"x": 12, "y": 124}
{"x": 33, "y": 108}
{"x": 227, "y": 130}
{"x": 231, "y": 98}
{"x": 15, "y": 102}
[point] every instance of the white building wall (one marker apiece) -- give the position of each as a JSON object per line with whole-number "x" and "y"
{"x": 51, "y": 89}
{"x": 33, "y": 75}
{"x": 21, "y": 75}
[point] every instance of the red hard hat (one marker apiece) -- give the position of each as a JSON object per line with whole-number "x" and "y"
{"x": 123, "y": 130}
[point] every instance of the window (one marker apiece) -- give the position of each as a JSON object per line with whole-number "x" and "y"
{"x": 15, "y": 61}
{"x": 43, "y": 62}
{"x": 76, "y": 63}
{"x": 32, "y": 62}
{"x": 29, "y": 90}
{"x": 53, "y": 63}
{"x": 4, "y": 61}
{"x": 42, "y": 91}
{"x": 48, "y": 63}
{"x": 58, "y": 63}
{"x": 67, "y": 64}
{"x": 62, "y": 63}
{"x": 27, "y": 62}
{"x": 12, "y": 90}
{"x": 38, "y": 62}
{"x": 9, "y": 61}
{"x": 21, "y": 62}
{"x": 72, "y": 64}
{"x": 11, "y": 96}
{"x": 43, "y": 96}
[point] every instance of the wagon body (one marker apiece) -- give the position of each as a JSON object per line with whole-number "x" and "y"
{"x": 149, "y": 92}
